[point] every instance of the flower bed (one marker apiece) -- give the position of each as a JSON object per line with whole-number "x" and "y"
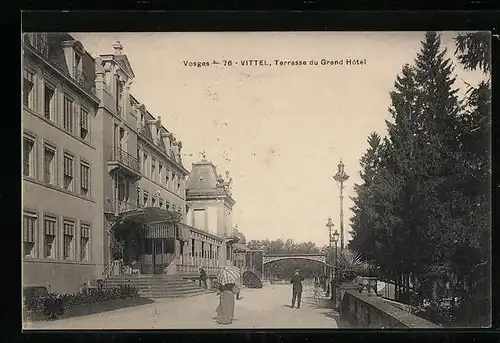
{"x": 56, "y": 305}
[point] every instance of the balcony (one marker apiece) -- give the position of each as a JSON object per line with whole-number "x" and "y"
{"x": 83, "y": 80}
{"x": 39, "y": 42}
{"x": 122, "y": 162}
{"x": 117, "y": 207}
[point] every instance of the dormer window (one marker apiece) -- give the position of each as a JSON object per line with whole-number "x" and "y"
{"x": 74, "y": 52}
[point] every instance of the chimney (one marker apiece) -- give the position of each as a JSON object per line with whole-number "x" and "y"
{"x": 118, "y": 47}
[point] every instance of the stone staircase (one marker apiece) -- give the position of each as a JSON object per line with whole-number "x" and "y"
{"x": 158, "y": 286}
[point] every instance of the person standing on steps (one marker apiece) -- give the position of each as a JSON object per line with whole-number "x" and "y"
{"x": 203, "y": 278}
{"x": 296, "y": 281}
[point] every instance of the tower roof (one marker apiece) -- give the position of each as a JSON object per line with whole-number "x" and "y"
{"x": 203, "y": 182}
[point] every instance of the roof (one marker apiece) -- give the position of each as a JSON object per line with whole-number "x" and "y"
{"x": 55, "y": 55}
{"x": 240, "y": 246}
{"x": 241, "y": 236}
{"x": 203, "y": 176}
{"x": 151, "y": 215}
{"x": 203, "y": 182}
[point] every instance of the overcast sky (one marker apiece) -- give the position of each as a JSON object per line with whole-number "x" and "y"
{"x": 280, "y": 131}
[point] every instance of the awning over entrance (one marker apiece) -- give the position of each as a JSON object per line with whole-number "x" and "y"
{"x": 159, "y": 223}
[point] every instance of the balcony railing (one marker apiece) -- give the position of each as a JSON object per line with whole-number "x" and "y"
{"x": 124, "y": 158}
{"x": 118, "y": 206}
{"x": 83, "y": 80}
{"x": 40, "y": 43}
{"x": 187, "y": 268}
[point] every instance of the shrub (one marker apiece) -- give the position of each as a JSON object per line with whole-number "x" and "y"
{"x": 54, "y": 303}
{"x": 251, "y": 280}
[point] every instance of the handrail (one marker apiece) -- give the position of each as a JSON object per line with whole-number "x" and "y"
{"x": 83, "y": 80}
{"x": 121, "y": 156}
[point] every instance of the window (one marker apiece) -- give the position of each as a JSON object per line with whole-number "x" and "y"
{"x": 29, "y": 231}
{"x": 49, "y": 101}
{"x": 167, "y": 177}
{"x": 119, "y": 95}
{"x": 84, "y": 242}
{"x": 122, "y": 184}
{"x": 160, "y": 172}
{"x": 192, "y": 247}
{"x": 49, "y": 161}
{"x": 68, "y": 115}
{"x": 153, "y": 202}
{"x": 69, "y": 232}
{"x": 68, "y": 172}
{"x": 146, "y": 197}
{"x": 159, "y": 246}
{"x": 28, "y": 156}
{"x": 84, "y": 124}
{"x": 179, "y": 184}
{"x": 29, "y": 89}
{"x": 144, "y": 164}
{"x": 84, "y": 178}
{"x": 160, "y": 203}
{"x": 49, "y": 227}
{"x": 138, "y": 196}
{"x": 167, "y": 205}
{"x": 153, "y": 168}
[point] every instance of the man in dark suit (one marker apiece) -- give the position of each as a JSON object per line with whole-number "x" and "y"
{"x": 296, "y": 282}
{"x": 203, "y": 278}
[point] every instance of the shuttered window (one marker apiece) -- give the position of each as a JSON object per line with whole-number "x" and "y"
{"x": 50, "y": 233}
{"x": 29, "y": 231}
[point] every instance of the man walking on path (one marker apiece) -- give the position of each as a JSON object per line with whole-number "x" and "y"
{"x": 296, "y": 282}
{"x": 203, "y": 278}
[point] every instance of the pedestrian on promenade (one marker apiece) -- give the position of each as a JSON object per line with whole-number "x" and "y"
{"x": 296, "y": 281}
{"x": 228, "y": 277}
{"x": 203, "y": 278}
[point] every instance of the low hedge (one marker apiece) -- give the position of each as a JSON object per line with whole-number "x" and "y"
{"x": 54, "y": 304}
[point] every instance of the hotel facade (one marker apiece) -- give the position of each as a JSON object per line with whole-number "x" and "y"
{"x": 96, "y": 163}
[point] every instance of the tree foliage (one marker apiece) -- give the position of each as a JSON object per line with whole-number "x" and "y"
{"x": 421, "y": 213}
{"x": 473, "y": 50}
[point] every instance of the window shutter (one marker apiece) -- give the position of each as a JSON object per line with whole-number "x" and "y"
{"x": 29, "y": 229}
{"x": 69, "y": 229}
{"x": 50, "y": 227}
{"x": 85, "y": 231}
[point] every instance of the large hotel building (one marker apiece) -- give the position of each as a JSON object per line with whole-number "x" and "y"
{"x": 96, "y": 164}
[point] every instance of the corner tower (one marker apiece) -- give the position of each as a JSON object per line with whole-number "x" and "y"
{"x": 208, "y": 200}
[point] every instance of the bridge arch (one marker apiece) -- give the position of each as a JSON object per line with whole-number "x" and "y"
{"x": 279, "y": 257}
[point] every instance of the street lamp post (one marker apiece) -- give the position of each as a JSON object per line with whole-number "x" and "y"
{"x": 329, "y": 225}
{"x": 341, "y": 177}
{"x": 335, "y": 239}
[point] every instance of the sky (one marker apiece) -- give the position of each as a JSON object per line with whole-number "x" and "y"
{"x": 279, "y": 130}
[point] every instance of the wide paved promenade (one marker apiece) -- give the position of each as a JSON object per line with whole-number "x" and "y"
{"x": 268, "y": 307}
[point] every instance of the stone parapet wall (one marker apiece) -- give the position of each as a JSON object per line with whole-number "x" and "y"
{"x": 368, "y": 311}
